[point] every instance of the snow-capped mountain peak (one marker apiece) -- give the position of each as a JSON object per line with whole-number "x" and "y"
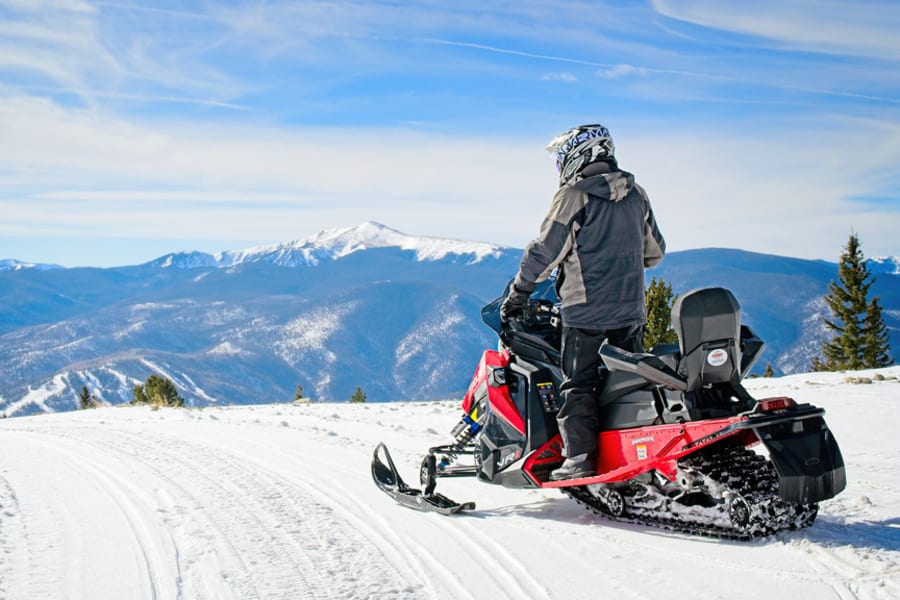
{"x": 341, "y": 242}
{"x": 11, "y": 264}
{"x": 332, "y": 244}
{"x": 350, "y": 239}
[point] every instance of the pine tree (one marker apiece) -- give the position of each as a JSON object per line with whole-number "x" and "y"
{"x": 861, "y": 335}
{"x": 770, "y": 372}
{"x": 658, "y": 329}
{"x": 876, "y": 347}
{"x": 157, "y": 391}
{"x": 299, "y": 398}
{"x": 87, "y": 399}
{"x": 358, "y": 395}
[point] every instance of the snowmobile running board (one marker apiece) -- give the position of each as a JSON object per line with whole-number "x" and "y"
{"x": 389, "y": 481}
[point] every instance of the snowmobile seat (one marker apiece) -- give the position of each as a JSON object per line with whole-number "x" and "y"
{"x": 707, "y": 322}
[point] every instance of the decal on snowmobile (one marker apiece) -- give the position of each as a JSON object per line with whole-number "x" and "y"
{"x": 677, "y": 429}
{"x": 717, "y": 357}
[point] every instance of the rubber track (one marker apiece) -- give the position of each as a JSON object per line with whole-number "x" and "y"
{"x": 738, "y": 470}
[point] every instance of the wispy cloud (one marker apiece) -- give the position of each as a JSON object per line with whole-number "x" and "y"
{"x": 256, "y": 122}
{"x": 268, "y": 180}
{"x": 865, "y": 28}
{"x": 69, "y": 48}
{"x": 621, "y": 70}
{"x": 138, "y": 8}
{"x": 564, "y": 77}
{"x": 54, "y": 40}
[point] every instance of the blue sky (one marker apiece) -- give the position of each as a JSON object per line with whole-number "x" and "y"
{"x": 129, "y": 130}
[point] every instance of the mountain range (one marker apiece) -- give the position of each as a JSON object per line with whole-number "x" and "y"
{"x": 393, "y": 314}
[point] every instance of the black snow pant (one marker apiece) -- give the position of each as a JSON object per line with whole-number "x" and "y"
{"x": 577, "y": 418}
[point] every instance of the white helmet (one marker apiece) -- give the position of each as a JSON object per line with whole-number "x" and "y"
{"x": 578, "y": 147}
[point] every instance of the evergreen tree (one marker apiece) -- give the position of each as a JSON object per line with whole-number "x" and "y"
{"x": 861, "y": 335}
{"x": 299, "y": 398}
{"x": 658, "y": 329}
{"x": 157, "y": 391}
{"x": 770, "y": 372}
{"x": 876, "y": 347}
{"x": 87, "y": 399}
{"x": 358, "y": 395}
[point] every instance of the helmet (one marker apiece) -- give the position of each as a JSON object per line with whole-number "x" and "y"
{"x": 578, "y": 147}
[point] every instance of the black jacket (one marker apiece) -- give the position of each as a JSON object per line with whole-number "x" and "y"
{"x": 600, "y": 233}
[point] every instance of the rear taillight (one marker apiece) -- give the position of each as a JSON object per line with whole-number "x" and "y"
{"x": 775, "y": 404}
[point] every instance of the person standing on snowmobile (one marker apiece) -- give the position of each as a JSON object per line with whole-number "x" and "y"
{"x": 600, "y": 234}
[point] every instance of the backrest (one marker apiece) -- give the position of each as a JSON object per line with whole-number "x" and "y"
{"x": 708, "y": 324}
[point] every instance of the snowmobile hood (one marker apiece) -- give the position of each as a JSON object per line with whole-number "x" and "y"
{"x": 610, "y": 185}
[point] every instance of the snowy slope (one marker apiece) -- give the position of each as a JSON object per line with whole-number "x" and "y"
{"x": 276, "y": 501}
{"x": 885, "y": 264}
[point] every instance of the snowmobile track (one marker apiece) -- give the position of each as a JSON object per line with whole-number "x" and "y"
{"x": 737, "y": 470}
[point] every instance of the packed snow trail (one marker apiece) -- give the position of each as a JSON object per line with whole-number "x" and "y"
{"x": 169, "y": 513}
{"x": 277, "y": 502}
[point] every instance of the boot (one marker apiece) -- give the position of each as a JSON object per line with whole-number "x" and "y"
{"x": 575, "y": 467}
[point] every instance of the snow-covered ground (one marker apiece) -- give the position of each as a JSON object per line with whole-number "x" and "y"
{"x": 277, "y": 502}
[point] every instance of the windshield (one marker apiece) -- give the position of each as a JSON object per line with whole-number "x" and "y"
{"x": 490, "y": 314}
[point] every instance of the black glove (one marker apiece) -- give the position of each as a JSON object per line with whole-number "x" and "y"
{"x": 514, "y": 305}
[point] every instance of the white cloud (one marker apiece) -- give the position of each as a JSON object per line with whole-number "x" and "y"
{"x": 79, "y": 162}
{"x": 76, "y": 6}
{"x": 785, "y": 192}
{"x": 621, "y": 70}
{"x": 58, "y": 41}
{"x": 81, "y": 173}
{"x": 564, "y": 77}
{"x": 99, "y": 174}
{"x": 75, "y": 49}
{"x": 864, "y": 28}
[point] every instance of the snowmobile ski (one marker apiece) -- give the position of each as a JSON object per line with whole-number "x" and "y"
{"x": 389, "y": 481}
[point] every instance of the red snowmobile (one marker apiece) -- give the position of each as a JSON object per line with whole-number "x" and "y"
{"x": 677, "y": 429}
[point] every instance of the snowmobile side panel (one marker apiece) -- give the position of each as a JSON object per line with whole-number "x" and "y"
{"x": 536, "y": 395}
{"x": 487, "y": 375}
{"x": 624, "y": 454}
{"x": 629, "y": 452}
{"x": 503, "y": 406}
{"x": 636, "y": 408}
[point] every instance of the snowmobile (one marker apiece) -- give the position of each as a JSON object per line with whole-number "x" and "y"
{"x": 682, "y": 444}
